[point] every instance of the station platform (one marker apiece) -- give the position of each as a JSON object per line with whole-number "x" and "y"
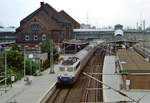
{"x": 31, "y": 93}
{"x": 136, "y": 68}
{"x": 111, "y": 78}
{"x": 132, "y": 62}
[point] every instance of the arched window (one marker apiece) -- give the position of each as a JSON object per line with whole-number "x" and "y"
{"x": 27, "y": 37}
{"x": 35, "y": 37}
{"x": 44, "y": 37}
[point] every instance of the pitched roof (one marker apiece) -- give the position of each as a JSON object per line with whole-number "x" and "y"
{"x": 56, "y": 15}
{"x": 48, "y": 10}
{"x": 68, "y": 17}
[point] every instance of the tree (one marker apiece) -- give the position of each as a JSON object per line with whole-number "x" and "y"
{"x": 16, "y": 47}
{"x": 46, "y": 46}
{"x": 30, "y": 64}
{"x": 15, "y": 59}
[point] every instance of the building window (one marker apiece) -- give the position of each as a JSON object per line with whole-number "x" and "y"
{"x": 43, "y": 37}
{"x": 35, "y": 27}
{"x": 35, "y": 20}
{"x": 27, "y": 38}
{"x": 35, "y": 37}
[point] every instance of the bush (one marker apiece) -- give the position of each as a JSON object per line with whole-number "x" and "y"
{"x": 14, "y": 72}
{"x": 34, "y": 67}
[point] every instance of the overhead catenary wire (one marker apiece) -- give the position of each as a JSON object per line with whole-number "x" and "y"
{"x": 123, "y": 94}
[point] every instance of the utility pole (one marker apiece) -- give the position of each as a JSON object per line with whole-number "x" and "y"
{"x": 144, "y": 33}
{"x": 87, "y": 18}
{"x": 51, "y": 57}
{"x": 5, "y": 68}
{"x": 24, "y": 61}
{"x": 39, "y": 58}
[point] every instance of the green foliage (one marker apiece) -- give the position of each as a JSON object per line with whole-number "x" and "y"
{"x": 15, "y": 59}
{"x": 2, "y": 61}
{"x": 15, "y": 47}
{"x": 46, "y": 63}
{"x": 15, "y": 63}
{"x": 30, "y": 65}
{"x": 46, "y": 46}
{"x": 14, "y": 71}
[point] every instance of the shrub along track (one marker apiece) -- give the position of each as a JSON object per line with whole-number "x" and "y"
{"x": 85, "y": 89}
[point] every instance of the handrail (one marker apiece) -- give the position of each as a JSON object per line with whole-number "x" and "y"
{"x": 3, "y": 80}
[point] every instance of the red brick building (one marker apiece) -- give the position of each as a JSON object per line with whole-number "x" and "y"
{"x": 44, "y": 23}
{"x": 73, "y": 22}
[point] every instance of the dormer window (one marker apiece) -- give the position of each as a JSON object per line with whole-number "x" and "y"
{"x": 27, "y": 38}
{"x": 35, "y": 37}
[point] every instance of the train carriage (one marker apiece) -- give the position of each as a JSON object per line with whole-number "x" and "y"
{"x": 70, "y": 68}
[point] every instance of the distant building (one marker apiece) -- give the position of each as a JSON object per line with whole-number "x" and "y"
{"x": 85, "y": 26}
{"x": 118, "y": 33}
{"x": 90, "y": 34}
{"x": 7, "y": 34}
{"x": 118, "y": 30}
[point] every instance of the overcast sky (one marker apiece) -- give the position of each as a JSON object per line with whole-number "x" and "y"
{"x": 99, "y": 12}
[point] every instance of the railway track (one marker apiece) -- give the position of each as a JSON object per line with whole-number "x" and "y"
{"x": 93, "y": 92}
{"x": 85, "y": 89}
{"x": 59, "y": 96}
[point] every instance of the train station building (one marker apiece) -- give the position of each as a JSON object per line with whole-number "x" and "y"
{"x": 44, "y": 24}
{"x": 7, "y": 34}
{"x": 110, "y": 34}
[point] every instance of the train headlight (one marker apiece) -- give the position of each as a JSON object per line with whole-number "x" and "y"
{"x": 70, "y": 76}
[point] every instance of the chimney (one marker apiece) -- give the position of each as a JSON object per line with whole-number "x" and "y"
{"x": 42, "y": 3}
